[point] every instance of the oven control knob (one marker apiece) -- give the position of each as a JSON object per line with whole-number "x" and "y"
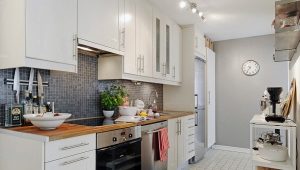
{"x": 124, "y": 139}
{"x": 114, "y": 139}
{"x": 130, "y": 135}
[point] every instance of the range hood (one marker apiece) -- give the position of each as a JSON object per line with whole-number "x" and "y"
{"x": 287, "y": 29}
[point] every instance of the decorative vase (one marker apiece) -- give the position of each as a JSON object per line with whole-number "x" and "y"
{"x": 108, "y": 113}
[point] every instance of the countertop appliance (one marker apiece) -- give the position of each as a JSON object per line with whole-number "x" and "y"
{"x": 148, "y": 157}
{"x": 199, "y": 110}
{"x": 118, "y": 149}
{"x": 274, "y": 100}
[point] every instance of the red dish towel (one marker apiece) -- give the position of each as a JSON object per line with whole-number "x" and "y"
{"x": 163, "y": 143}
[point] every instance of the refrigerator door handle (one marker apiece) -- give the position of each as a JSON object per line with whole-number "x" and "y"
{"x": 196, "y": 101}
{"x": 197, "y": 118}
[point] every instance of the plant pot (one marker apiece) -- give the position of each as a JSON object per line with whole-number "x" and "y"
{"x": 108, "y": 113}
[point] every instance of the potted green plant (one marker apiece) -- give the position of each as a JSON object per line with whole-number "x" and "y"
{"x": 111, "y": 98}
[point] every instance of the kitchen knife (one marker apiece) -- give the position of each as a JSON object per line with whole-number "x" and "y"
{"x": 31, "y": 80}
{"x": 40, "y": 88}
{"x": 16, "y": 86}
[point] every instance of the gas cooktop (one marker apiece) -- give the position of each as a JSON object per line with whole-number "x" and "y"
{"x": 97, "y": 121}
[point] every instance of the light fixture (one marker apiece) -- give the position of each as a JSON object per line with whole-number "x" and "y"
{"x": 200, "y": 14}
{"x": 182, "y": 4}
{"x": 194, "y": 8}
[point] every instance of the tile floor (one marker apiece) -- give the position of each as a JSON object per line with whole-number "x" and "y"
{"x": 223, "y": 160}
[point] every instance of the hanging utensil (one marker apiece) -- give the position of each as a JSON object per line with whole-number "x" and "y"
{"x": 30, "y": 85}
{"x": 40, "y": 88}
{"x": 16, "y": 86}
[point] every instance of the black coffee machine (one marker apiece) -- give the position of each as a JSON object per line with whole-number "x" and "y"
{"x": 274, "y": 100}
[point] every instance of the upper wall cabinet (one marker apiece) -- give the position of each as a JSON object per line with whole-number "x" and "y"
{"x": 152, "y": 46}
{"x": 39, "y": 34}
{"x": 98, "y": 24}
{"x": 166, "y": 48}
{"x": 176, "y": 53}
{"x": 129, "y": 24}
{"x": 200, "y": 49}
{"x": 144, "y": 37}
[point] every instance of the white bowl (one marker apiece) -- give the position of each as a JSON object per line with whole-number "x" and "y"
{"x": 127, "y": 111}
{"x": 276, "y": 153}
{"x": 108, "y": 113}
{"x": 47, "y": 121}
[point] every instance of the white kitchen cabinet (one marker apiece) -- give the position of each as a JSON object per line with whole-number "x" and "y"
{"x": 182, "y": 141}
{"x": 98, "y": 24}
{"x": 166, "y": 48}
{"x": 130, "y": 59}
{"x": 83, "y": 161}
{"x": 139, "y": 60}
{"x": 200, "y": 49}
{"x": 34, "y": 152}
{"x": 144, "y": 37}
{"x": 39, "y": 34}
{"x": 210, "y": 99}
{"x": 176, "y": 53}
{"x": 159, "y": 44}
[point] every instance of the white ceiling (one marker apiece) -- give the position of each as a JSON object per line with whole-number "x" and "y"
{"x": 226, "y": 19}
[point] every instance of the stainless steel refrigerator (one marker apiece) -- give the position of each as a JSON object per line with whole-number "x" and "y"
{"x": 199, "y": 110}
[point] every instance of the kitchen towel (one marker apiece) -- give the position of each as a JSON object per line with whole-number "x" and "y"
{"x": 164, "y": 145}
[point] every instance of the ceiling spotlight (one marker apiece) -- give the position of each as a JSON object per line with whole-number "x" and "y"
{"x": 200, "y": 14}
{"x": 182, "y": 4}
{"x": 194, "y": 10}
{"x": 194, "y": 7}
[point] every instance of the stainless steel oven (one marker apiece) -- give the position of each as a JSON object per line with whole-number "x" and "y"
{"x": 119, "y": 149}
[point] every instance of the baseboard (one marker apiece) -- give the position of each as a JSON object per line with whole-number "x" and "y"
{"x": 230, "y": 148}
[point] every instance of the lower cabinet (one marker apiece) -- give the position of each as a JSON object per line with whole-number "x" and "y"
{"x": 83, "y": 161}
{"x": 35, "y": 153}
{"x": 182, "y": 141}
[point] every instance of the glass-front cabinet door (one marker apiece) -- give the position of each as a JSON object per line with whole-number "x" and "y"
{"x": 158, "y": 45}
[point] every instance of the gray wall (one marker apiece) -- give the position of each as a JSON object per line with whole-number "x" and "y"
{"x": 237, "y": 95}
{"x": 75, "y": 93}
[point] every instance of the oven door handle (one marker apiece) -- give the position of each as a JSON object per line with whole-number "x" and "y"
{"x": 120, "y": 145}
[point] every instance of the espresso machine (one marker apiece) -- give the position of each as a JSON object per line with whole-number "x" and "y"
{"x": 274, "y": 100}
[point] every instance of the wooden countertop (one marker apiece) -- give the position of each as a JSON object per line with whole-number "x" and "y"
{"x": 71, "y": 130}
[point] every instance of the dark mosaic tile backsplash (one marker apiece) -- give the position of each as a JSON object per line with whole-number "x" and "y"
{"x": 75, "y": 93}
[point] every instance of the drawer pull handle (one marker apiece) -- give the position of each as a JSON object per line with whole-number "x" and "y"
{"x": 74, "y": 146}
{"x": 191, "y": 127}
{"x": 191, "y": 143}
{"x": 75, "y": 160}
{"x": 191, "y": 119}
{"x": 191, "y": 135}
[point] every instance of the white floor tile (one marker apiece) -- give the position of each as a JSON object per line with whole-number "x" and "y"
{"x": 223, "y": 160}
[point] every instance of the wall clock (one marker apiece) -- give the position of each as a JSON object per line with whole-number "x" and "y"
{"x": 250, "y": 68}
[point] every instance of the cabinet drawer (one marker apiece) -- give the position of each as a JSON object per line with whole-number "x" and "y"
{"x": 83, "y": 161}
{"x": 71, "y": 146}
{"x": 191, "y": 121}
{"x": 190, "y": 154}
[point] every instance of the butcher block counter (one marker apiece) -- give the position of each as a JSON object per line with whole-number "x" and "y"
{"x": 72, "y": 130}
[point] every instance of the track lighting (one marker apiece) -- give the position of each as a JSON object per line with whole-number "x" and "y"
{"x": 193, "y": 7}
